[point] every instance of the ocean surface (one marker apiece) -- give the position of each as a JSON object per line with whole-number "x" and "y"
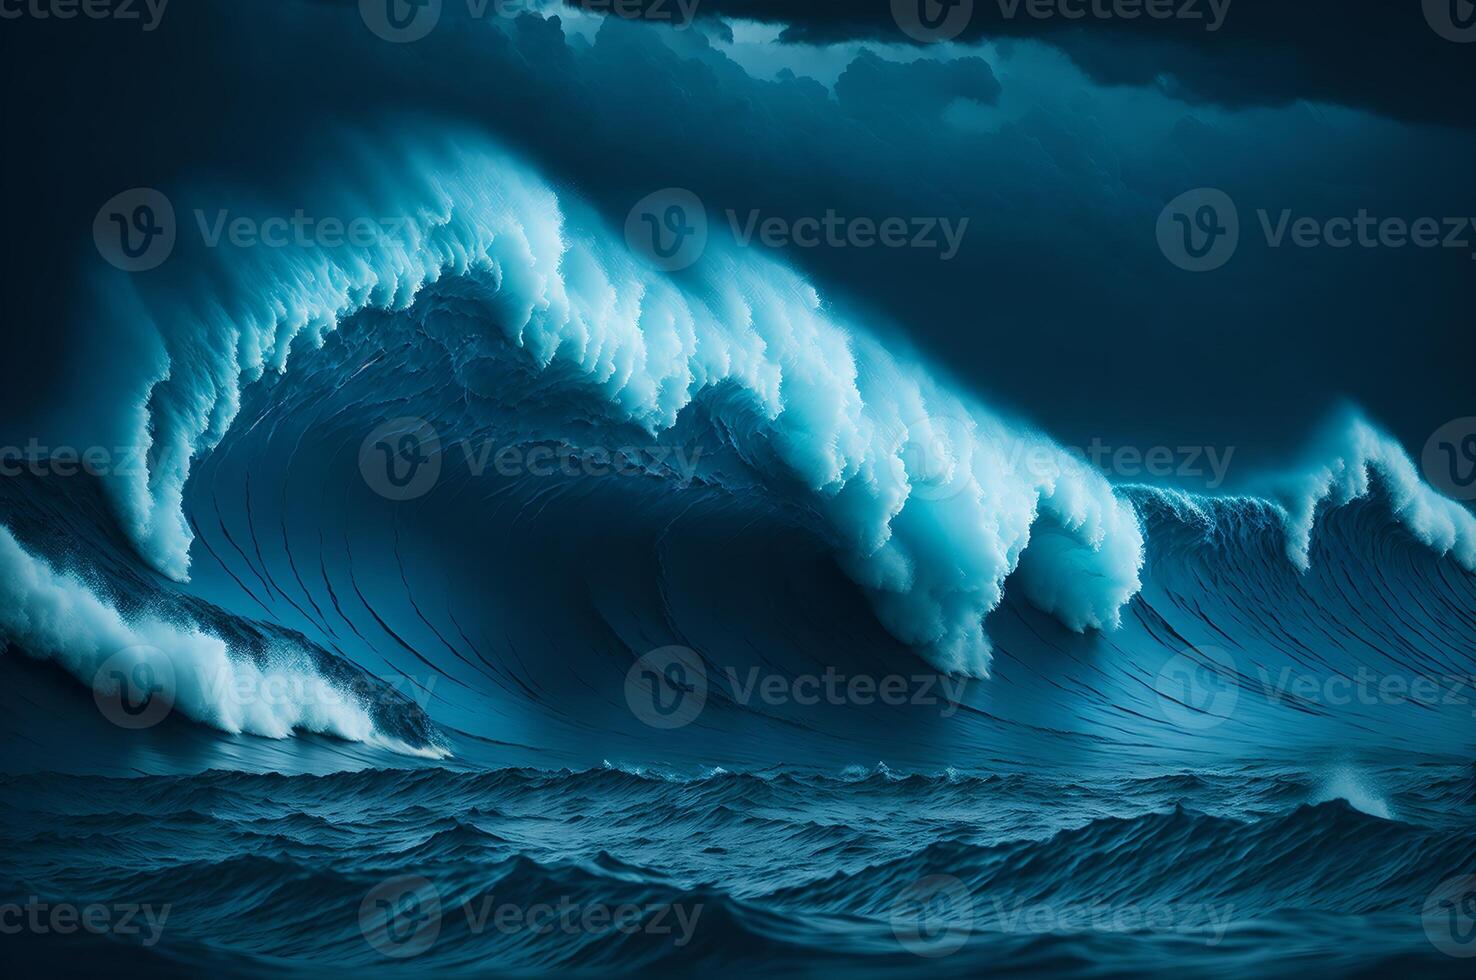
{"x": 489, "y": 603}
{"x": 1255, "y": 869}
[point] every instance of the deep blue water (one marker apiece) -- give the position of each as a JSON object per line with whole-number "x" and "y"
{"x": 518, "y": 871}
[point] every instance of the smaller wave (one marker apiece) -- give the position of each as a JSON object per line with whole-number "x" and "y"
{"x": 53, "y": 616}
{"x": 1353, "y": 461}
{"x": 1180, "y": 858}
{"x": 1352, "y": 787}
{"x": 1352, "y": 457}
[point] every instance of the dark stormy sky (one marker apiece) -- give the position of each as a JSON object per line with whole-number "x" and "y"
{"x": 1061, "y": 140}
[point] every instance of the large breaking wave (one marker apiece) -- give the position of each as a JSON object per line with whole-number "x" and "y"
{"x": 931, "y": 499}
{"x": 499, "y": 309}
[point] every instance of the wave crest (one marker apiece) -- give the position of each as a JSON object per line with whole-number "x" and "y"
{"x": 929, "y": 507}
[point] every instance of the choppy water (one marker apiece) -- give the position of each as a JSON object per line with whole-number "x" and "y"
{"x": 1251, "y": 870}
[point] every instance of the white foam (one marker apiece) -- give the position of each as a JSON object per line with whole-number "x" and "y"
{"x": 1342, "y": 470}
{"x": 50, "y": 615}
{"x": 1345, "y": 783}
{"x": 928, "y": 496}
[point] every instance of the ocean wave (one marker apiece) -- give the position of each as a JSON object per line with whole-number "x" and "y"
{"x": 1352, "y": 461}
{"x": 923, "y": 490}
{"x": 1177, "y": 857}
{"x": 50, "y": 615}
{"x": 935, "y": 505}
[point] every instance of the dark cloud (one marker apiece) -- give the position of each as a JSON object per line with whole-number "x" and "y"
{"x": 1373, "y": 54}
{"x": 873, "y": 87}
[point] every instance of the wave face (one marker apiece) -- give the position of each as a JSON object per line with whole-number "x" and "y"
{"x": 520, "y": 870}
